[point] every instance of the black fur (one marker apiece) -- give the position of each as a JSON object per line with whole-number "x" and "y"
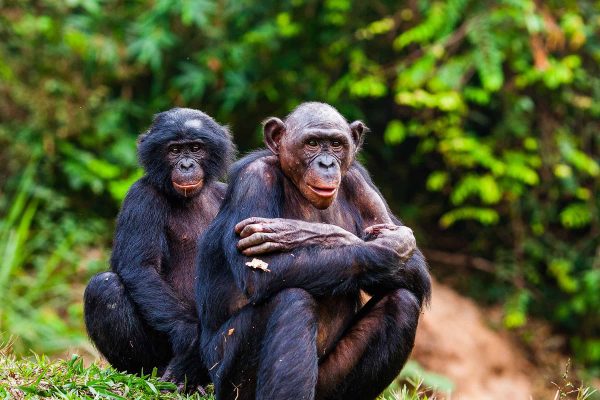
{"x": 142, "y": 314}
{"x": 266, "y": 348}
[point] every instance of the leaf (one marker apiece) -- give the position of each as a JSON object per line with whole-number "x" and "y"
{"x": 395, "y": 133}
{"x": 436, "y": 181}
{"x": 485, "y": 216}
{"x": 575, "y": 216}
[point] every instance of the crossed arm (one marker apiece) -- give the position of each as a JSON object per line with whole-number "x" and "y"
{"x": 326, "y": 259}
{"x": 320, "y": 258}
{"x": 270, "y": 235}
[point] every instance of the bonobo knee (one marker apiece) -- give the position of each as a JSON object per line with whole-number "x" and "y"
{"x": 406, "y": 308}
{"x": 103, "y": 285}
{"x": 293, "y": 298}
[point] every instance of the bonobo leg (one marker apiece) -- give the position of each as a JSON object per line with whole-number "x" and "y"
{"x": 373, "y": 350}
{"x": 266, "y": 351}
{"x": 187, "y": 370}
{"x": 118, "y": 331}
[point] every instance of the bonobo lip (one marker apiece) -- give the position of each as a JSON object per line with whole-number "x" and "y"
{"x": 324, "y": 191}
{"x": 189, "y": 186}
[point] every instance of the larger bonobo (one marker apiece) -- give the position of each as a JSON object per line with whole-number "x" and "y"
{"x": 142, "y": 314}
{"x": 301, "y": 330}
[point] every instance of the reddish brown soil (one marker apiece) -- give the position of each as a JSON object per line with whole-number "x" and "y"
{"x": 454, "y": 340}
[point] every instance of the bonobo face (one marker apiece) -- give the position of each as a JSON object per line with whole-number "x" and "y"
{"x": 185, "y": 159}
{"x": 316, "y": 146}
{"x": 314, "y": 159}
{"x": 183, "y": 151}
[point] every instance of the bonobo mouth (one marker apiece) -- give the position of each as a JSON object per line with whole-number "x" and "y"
{"x": 187, "y": 187}
{"x": 323, "y": 191}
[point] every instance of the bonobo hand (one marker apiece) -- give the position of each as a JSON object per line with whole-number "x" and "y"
{"x": 399, "y": 238}
{"x": 268, "y": 235}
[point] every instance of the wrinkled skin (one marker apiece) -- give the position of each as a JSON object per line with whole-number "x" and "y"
{"x": 264, "y": 235}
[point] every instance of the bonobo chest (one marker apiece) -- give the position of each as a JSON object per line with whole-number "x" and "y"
{"x": 186, "y": 222}
{"x": 334, "y": 313}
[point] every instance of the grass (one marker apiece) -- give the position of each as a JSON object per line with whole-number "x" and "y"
{"x": 39, "y": 377}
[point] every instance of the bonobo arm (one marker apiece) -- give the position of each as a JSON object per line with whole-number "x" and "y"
{"x": 138, "y": 251}
{"x": 270, "y": 235}
{"x": 414, "y": 273}
{"x": 257, "y": 191}
{"x": 260, "y": 236}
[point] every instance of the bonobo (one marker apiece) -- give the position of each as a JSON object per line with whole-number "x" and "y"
{"x": 295, "y": 326}
{"x": 142, "y": 314}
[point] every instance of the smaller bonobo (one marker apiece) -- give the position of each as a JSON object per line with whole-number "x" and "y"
{"x": 302, "y": 329}
{"x": 142, "y": 313}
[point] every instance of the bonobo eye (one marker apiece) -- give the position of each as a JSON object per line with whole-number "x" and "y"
{"x": 195, "y": 148}
{"x": 175, "y": 149}
{"x": 336, "y": 144}
{"x": 312, "y": 143}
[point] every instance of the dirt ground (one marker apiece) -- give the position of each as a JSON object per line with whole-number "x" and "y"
{"x": 455, "y": 339}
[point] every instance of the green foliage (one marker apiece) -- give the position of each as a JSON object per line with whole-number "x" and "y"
{"x": 40, "y": 273}
{"x": 70, "y": 379}
{"x": 503, "y": 99}
{"x": 484, "y": 119}
{"x": 413, "y": 372}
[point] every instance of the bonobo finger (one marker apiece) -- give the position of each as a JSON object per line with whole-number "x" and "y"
{"x": 374, "y": 229}
{"x": 254, "y": 240}
{"x": 251, "y": 229}
{"x": 267, "y": 247}
{"x": 248, "y": 221}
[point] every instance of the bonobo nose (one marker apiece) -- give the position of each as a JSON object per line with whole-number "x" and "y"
{"x": 185, "y": 165}
{"x": 326, "y": 161}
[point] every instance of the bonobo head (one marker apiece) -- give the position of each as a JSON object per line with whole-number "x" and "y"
{"x": 184, "y": 150}
{"x": 315, "y": 146}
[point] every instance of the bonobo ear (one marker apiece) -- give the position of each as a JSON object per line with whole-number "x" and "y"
{"x": 273, "y": 129}
{"x": 358, "y": 130}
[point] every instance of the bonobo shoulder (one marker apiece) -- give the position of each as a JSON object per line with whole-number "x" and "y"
{"x": 259, "y": 165}
{"x": 357, "y": 178}
{"x": 252, "y": 178}
{"x": 143, "y": 193}
{"x": 359, "y": 188}
{"x": 263, "y": 167}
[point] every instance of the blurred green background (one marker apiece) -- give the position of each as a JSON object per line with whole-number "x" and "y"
{"x": 485, "y": 119}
